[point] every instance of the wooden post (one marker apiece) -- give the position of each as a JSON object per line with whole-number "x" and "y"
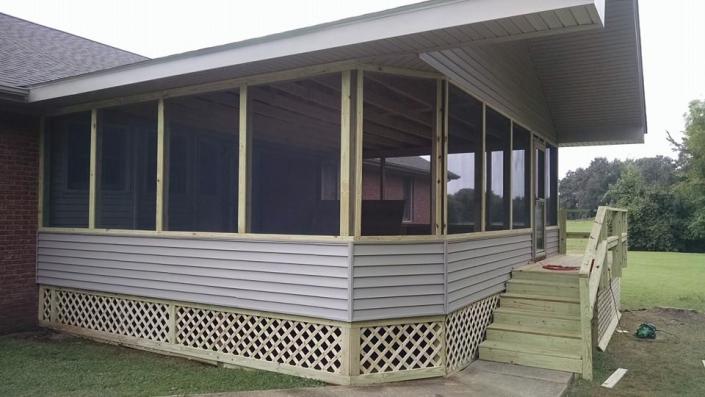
{"x": 510, "y": 172}
{"x": 345, "y": 145}
{"x": 159, "y": 221}
{"x": 483, "y": 159}
{"x": 244, "y": 162}
{"x": 353, "y": 352}
{"x": 437, "y": 162}
{"x": 359, "y": 104}
{"x": 586, "y": 327}
{"x": 562, "y": 222}
{"x": 444, "y": 190}
{"x": 92, "y": 174}
{"x": 171, "y": 309}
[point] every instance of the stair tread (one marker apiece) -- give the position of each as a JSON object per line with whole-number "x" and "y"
{"x": 532, "y": 330}
{"x": 532, "y": 313}
{"x": 546, "y": 283}
{"x": 529, "y": 349}
{"x": 549, "y": 298}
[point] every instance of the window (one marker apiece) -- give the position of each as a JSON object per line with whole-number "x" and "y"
{"x": 67, "y": 161}
{"x": 398, "y": 130}
{"x": 295, "y": 129}
{"x": 127, "y": 167}
{"x": 552, "y": 186}
{"x": 498, "y": 130}
{"x": 464, "y": 184}
{"x": 521, "y": 178}
{"x": 202, "y": 162}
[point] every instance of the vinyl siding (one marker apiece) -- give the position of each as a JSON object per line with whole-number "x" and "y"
{"x": 397, "y": 280}
{"x": 480, "y": 268}
{"x": 298, "y": 278}
{"x": 552, "y": 237}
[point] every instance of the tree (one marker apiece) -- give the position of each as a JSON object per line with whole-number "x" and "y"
{"x": 585, "y": 188}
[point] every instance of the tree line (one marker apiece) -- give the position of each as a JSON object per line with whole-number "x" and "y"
{"x": 665, "y": 196}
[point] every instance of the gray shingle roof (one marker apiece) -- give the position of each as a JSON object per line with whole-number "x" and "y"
{"x": 31, "y": 53}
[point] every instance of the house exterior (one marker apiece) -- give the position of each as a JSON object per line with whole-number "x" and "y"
{"x": 345, "y": 202}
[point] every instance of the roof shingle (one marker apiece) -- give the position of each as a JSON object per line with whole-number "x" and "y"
{"x": 32, "y": 54}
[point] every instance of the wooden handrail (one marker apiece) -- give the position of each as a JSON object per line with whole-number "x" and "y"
{"x": 609, "y": 234}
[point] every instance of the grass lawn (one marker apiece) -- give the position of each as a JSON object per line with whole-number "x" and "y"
{"x": 49, "y": 364}
{"x": 671, "y": 364}
{"x": 651, "y": 279}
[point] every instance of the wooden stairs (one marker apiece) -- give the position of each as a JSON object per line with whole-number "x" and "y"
{"x": 537, "y": 323}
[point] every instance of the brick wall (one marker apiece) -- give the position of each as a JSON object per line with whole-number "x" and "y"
{"x": 18, "y": 222}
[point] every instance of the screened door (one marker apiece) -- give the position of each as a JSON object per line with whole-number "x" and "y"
{"x": 540, "y": 202}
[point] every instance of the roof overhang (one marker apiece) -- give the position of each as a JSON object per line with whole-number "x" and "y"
{"x": 415, "y": 28}
{"x": 13, "y": 94}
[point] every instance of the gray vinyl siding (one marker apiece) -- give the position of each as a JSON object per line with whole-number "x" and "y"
{"x": 480, "y": 268}
{"x": 502, "y": 75}
{"x": 397, "y": 280}
{"x": 552, "y": 237}
{"x": 298, "y": 278}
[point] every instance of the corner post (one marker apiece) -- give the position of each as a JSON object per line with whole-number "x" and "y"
{"x": 345, "y": 148}
{"x": 244, "y": 162}
{"x": 358, "y": 124}
{"x": 92, "y": 174}
{"x": 585, "y": 326}
{"x": 159, "y": 220}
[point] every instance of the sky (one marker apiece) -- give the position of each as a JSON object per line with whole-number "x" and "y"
{"x": 673, "y": 44}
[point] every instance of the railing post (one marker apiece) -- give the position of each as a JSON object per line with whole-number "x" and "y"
{"x": 562, "y": 221}
{"x": 585, "y": 327}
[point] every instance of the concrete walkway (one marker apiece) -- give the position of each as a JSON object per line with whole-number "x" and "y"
{"x": 481, "y": 378}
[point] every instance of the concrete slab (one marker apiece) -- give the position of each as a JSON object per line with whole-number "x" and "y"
{"x": 482, "y": 378}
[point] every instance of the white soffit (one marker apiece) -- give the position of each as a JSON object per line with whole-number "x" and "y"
{"x": 415, "y": 28}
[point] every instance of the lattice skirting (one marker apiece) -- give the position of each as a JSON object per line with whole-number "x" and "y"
{"x": 608, "y": 305}
{"x": 336, "y": 352}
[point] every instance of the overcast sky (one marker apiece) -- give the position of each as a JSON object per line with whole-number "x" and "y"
{"x": 673, "y": 43}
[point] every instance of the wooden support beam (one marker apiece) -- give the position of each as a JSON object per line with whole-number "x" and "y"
{"x": 437, "y": 162}
{"x": 562, "y": 232}
{"x": 359, "y": 104}
{"x": 92, "y": 173}
{"x": 244, "y": 165}
{"x": 345, "y": 158}
{"x": 483, "y": 184}
{"x": 444, "y": 162}
{"x": 159, "y": 220}
{"x": 510, "y": 175}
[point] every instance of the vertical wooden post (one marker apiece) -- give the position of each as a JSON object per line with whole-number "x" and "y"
{"x": 359, "y": 105}
{"x": 244, "y": 162}
{"x": 510, "y": 172}
{"x": 54, "y": 302}
{"x": 159, "y": 220}
{"x": 171, "y": 336}
{"x": 352, "y": 360}
{"x": 345, "y": 145}
{"x": 444, "y": 201}
{"x": 483, "y": 159}
{"x": 586, "y": 327}
{"x": 532, "y": 185}
{"x": 562, "y": 222}
{"x": 41, "y": 176}
{"x": 92, "y": 174}
{"x": 437, "y": 162}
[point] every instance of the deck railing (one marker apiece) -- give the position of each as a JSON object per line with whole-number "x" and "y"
{"x": 609, "y": 235}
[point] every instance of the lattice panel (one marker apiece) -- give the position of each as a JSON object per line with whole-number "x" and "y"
{"x": 290, "y": 342}
{"x": 400, "y": 347}
{"x": 45, "y": 304}
{"x": 115, "y": 315}
{"x": 465, "y": 330}
{"x": 606, "y": 308}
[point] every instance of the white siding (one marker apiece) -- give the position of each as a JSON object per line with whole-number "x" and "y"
{"x": 398, "y": 280}
{"x": 480, "y": 268}
{"x": 294, "y": 278}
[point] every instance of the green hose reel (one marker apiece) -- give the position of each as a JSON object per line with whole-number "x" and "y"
{"x": 646, "y": 331}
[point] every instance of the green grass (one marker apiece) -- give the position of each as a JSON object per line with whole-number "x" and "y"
{"x": 651, "y": 279}
{"x": 670, "y": 365}
{"x": 49, "y": 364}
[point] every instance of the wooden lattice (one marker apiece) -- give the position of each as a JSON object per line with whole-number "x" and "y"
{"x": 112, "y": 314}
{"x": 45, "y": 304}
{"x": 607, "y": 306}
{"x": 465, "y": 330}
{"x": 401, "y": 347}
{"x": 297, "y": 343}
